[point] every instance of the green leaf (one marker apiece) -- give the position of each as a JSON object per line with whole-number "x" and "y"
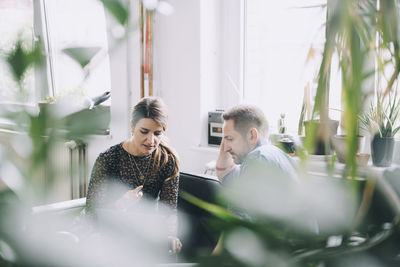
{"x": 212, "y": 208}
{"x": 82, "y": 55}
{"x": 117, "y": 9}
{"x": 20, "y": 60}
{"x": 87, "y": 122}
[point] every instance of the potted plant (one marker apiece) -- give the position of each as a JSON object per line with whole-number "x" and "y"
{"x": 318, "y": 133}
{"x": 381, "y": 120}
{"x": 364, "y": 38}
{"x": 340, "y": 141}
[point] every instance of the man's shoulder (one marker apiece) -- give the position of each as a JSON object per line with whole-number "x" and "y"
{"x": 266, "y": 151}
{"x": 273, "y": 156}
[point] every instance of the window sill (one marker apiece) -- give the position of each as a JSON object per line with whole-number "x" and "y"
{"x": 319, "y": 167}
{"x": 211, "y": 149}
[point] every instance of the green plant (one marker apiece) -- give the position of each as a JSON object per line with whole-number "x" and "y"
{"x": 383, "y": 117}
{"x": 357, "y": 32}
{"x": 305, "y": 109}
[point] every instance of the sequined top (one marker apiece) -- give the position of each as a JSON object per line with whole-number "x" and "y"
{"x": 116, "y": 171}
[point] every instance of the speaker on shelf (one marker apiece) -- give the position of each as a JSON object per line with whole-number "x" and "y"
{"x": 215, "y": 124}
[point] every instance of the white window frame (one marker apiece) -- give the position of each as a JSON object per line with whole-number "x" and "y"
{"x": 44, "y": 81}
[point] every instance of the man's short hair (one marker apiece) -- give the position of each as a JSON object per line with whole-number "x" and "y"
{"x": 246, "y": 117}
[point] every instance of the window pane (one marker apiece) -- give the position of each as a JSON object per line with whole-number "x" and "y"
{"x": 16, "y": 22}
{"x": 71, "y": 24}
{"x": 279, "y": 35}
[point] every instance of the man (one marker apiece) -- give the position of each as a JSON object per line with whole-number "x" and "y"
{"x": 245, "y": 141}
{"x": 247, "y": 157}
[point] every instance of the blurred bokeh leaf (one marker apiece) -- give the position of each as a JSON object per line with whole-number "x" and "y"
{"x": 20, "y": 60}
{"x": 216, "y": 210}
{"x": 117, "y": 10}
{"x": 82, "y": 55}
{"x": 87, "y": 122}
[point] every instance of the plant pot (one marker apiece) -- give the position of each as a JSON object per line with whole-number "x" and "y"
{"x": 340, "y": 145}
{"x": 287, "y": 145}
{"x": 382, "y": 151}
{"x": 362, "y": 159}
{"x": 314, "y": 131}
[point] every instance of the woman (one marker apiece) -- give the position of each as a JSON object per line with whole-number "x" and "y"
{"x": 144, "y": 165}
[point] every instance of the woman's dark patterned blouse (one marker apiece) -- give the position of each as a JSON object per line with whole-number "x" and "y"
{"x": 116, "y": 169}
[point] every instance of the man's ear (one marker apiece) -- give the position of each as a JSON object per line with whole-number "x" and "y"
{"x": 253, "y": 136}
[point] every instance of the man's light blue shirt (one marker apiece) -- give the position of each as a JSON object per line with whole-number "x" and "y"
{"x": 265, "y": 152}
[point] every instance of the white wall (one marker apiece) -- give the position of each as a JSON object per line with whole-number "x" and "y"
{"x": 177, "y": 41}
{"x": 194, "y": 62}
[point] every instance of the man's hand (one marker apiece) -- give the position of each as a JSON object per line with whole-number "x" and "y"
{"x": 225, "y": 162}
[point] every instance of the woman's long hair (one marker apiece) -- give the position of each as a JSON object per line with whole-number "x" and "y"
{"x": 154, "y": 108}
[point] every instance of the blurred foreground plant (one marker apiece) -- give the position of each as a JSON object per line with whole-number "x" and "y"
{"x": 27, "y": 164}
{"x": 28, "y": 169}
{"x": 321, "y": 221}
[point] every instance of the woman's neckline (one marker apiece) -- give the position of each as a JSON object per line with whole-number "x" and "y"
{"x": 132, "y": 155}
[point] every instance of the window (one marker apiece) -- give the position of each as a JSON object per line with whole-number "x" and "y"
{"x": 72, "y": 24}
{"x": 65, "y": 24}
{"x": 16, "y": 23}
{"x": 278, "y": 39}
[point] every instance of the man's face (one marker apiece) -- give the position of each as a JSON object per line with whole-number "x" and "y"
{"x": 234, "y": 143}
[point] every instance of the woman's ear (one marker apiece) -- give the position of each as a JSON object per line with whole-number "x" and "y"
{"x": 132, "y": 128}
{"x": 253, "y": 136}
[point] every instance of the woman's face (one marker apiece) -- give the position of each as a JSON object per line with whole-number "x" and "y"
{"x": 146, "y": 136}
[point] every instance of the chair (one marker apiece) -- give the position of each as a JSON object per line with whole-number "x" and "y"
{"x": 197, "y": 237}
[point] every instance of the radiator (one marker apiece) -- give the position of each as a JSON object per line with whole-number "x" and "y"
{"x": 78, "y": 168}
{"x": 67, "y": 159}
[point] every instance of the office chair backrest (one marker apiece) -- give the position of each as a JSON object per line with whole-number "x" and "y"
{"x": 194, "y": 230}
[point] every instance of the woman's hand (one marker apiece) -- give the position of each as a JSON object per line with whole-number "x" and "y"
{"x": 130, "y": 198}
{"x": 176, "y": 244}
